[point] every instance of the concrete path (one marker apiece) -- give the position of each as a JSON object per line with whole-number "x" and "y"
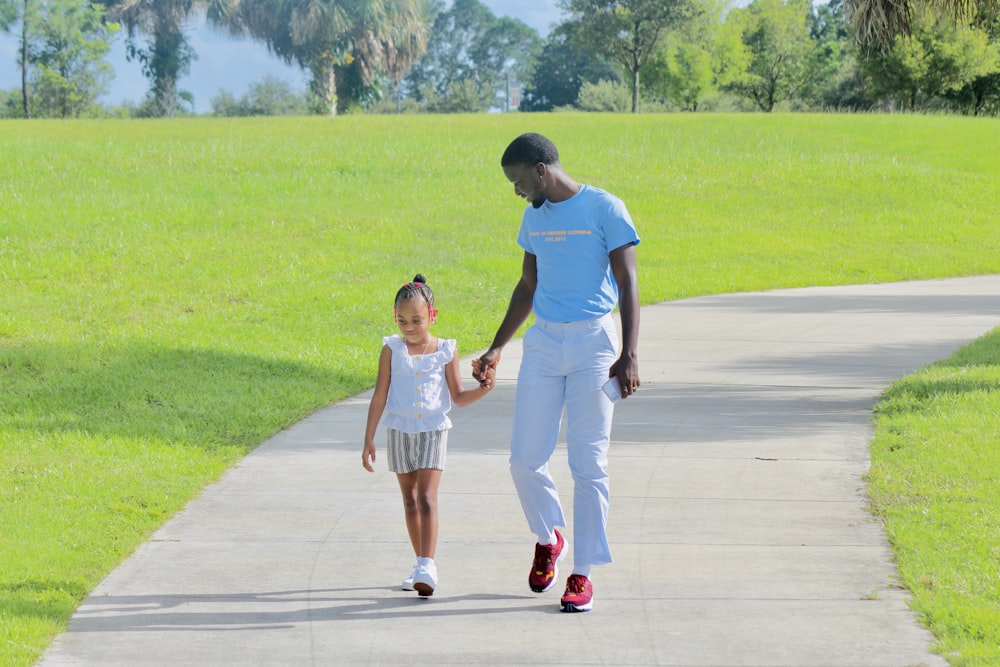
{"x": 738, "y": 518}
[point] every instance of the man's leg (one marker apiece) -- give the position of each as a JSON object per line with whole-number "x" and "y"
{"x": 588, "y": 433}
{"x": 538, "y": 406}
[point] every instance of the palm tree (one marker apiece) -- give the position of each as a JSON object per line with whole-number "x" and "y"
{"x": 168, "y": 55}
{"x": 877, "y": 21}
{"x": 404, "y": 43}
{"x": 329, "y": 36}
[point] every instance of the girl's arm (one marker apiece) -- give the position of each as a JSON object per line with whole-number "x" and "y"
{"x": 376, "y": 407}
{"x": 461, "y": 396}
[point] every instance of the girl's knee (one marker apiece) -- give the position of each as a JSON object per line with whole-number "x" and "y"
{"x": 410, "y": 505}
{"x": 426, "y": 503}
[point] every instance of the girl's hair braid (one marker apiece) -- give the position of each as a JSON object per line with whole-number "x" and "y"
{"x": 417, "y": 286}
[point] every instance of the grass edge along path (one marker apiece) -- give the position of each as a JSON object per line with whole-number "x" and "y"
{"x": 935, "y": 482}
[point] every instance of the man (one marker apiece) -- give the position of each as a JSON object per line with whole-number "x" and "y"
{"x": 579, "y": 261}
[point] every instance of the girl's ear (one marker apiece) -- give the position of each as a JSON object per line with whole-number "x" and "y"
{"x": 433, "y": 314}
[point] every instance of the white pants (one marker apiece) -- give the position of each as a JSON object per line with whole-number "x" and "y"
{"x": 564, "y": 366}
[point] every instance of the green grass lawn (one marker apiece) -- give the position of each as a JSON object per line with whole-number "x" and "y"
{"x": 174, "y": 292}
{"x": 935, "y": 480}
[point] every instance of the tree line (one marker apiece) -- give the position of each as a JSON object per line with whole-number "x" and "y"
{"x": 429, "y": 56}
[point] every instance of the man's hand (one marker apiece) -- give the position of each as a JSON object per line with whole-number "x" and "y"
{"x": 489, "y": 379}
{"x": 485, "y": 363}
{"x": 627, "y": 371}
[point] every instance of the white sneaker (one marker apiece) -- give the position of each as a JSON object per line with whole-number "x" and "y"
{"x": 408, "y": 582}
{"x": 425, "y": 580}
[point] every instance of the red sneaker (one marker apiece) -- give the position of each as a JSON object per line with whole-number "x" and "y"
{"x": 579, "y": 595}
{"x": 543, "y": 570}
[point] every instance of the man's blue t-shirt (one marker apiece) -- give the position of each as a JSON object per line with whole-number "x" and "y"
{"x": 571, "y": 241}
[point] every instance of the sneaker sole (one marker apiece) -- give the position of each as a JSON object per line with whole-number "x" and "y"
{"x": 423, "y": 590}
{"x": 569, "y": 607}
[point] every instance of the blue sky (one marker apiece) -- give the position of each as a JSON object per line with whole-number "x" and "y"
{"x": 227, "y": 63}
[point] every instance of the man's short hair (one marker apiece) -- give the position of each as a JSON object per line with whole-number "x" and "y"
{"x": 530, "y": 149}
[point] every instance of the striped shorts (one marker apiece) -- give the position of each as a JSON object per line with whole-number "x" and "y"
{"x": 413, "y": 451}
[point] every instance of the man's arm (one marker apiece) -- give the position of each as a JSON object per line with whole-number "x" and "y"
{"x": 624, "y": 268}
{"x": 518, "y": 309}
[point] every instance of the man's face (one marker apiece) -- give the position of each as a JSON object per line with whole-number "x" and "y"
{"x": 528, "y": 182}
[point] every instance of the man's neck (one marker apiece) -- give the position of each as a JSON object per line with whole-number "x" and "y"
{"x": 564, "y": 188}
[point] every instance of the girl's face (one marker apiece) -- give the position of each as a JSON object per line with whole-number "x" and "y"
{"x": 413, "y": 319}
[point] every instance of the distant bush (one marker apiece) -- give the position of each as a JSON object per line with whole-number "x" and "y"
{"x": 271, "y": 96}
{"x": 604, "y": 96}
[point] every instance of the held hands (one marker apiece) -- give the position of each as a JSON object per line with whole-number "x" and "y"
{"x": 487, "y": 379}
{"x": 484, "y": 369}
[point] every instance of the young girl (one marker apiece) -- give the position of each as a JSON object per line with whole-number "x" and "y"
{"x": 412, "y": 372}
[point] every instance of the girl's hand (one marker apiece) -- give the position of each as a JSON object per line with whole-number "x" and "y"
{"x": 488, "y": 361}
{"x": 368, "y": 456}
{"x": 489, "y": 378}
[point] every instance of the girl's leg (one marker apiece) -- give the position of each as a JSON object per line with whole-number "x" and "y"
{"x": 408, "y": 485}
{"x": 426, "y": 501}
